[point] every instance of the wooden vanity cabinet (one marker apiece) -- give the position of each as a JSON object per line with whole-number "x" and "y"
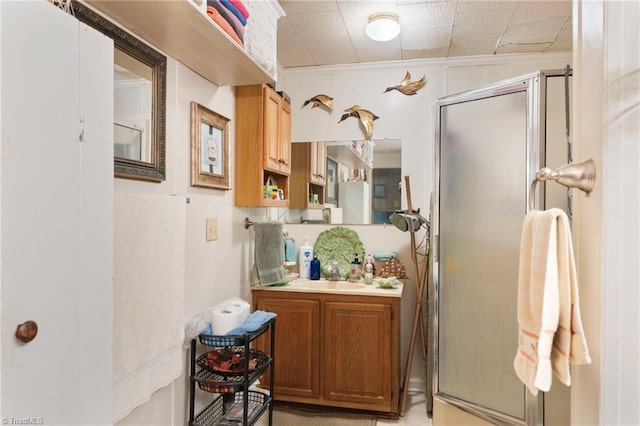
{"x": 335, "y": 350}
{"x": 308, "y": 170}
{"x": 262, "y": 146}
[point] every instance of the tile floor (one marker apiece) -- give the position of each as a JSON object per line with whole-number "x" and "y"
{"x": 416, "y": 414}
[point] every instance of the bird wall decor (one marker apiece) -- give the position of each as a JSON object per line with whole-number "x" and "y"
{"x": 322, "y": 101}
{"x": 408, "y": 87}
{"x": 366, "y": 118}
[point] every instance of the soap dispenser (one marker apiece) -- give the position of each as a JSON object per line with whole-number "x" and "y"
{"x": 368, "y": 273}
{"x": 355, "y": 272}
{"x": 289, "y": 248}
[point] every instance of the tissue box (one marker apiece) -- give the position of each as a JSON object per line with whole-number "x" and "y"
{"x": 228, "y": 315}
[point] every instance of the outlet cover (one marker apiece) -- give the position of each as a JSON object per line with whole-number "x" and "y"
{"x": 212, "y": 229}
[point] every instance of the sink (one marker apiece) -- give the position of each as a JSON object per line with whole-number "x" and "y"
{"x": 328, "y": 285}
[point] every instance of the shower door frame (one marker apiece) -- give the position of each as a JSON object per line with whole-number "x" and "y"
{"x": 534, "y": 84}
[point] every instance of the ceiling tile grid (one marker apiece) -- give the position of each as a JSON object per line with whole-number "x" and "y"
{"x": 330, "y": 32}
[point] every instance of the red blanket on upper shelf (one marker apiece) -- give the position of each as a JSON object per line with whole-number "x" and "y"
{"x": 222, "y": 23}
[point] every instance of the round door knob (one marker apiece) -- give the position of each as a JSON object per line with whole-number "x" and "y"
{"x": 27, "y": 331}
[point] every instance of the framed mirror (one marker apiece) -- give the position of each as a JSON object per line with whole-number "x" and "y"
{"x": 139, "y": 101}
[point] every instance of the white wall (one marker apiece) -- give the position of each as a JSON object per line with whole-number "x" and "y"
{"x": 212, "y": 269}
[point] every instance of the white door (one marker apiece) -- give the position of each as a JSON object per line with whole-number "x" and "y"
{"x": 56, "y": 217}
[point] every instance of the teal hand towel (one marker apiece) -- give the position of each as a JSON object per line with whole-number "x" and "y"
{"x": 269, "y": 252}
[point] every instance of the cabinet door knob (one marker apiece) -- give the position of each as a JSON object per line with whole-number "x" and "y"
{"x": 27, "y": 331}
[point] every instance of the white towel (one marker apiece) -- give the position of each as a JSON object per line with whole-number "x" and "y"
{"x": 149, "y": 270}
{"x": 550, "y": 327}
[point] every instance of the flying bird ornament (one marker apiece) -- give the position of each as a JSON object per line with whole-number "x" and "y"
{"x": 366, "y": 118}
{"x": 322, "y": 101}
{"x": 408, "y": 87}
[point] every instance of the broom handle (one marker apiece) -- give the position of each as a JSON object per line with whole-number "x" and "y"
{"x": 420, "y": 278}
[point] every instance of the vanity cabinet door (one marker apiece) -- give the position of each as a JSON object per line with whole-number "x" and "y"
{"x": 360, "y": 354}
{"x": 297, "y": 345}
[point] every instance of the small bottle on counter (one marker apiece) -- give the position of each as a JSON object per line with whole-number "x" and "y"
{"x": 289, "y": 248}
{"x": 368, "y": 273}
{"x": 369, "y": 261}
{"x": 314, "y": 272}
{"x": 355, "y": 272}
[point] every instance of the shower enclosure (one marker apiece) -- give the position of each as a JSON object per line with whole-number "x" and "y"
{"x": 489, "y": 144}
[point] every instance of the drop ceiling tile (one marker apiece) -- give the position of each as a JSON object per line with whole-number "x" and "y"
{"x": 431, "y": 14}
{"x": 563, "y": 43}
{"x": 439, "y": 52}
{"x": 399, "y": 2}
{"x": 291, "y": 50}
{"x": 472, "y": 45}
{"x": 479, "y": 6}
{"x": 383, "y": 52}
{"x": 297, "y": 7}
{"x": 527, "y": 11}
{"x": 481, "y": 21}
{"x": 321, "y": 31}
{"x": 527, "y": 48}
{"x": 420, "y": 38}
{"x": 334, "y": 57}
{"x": 541, "y": 31}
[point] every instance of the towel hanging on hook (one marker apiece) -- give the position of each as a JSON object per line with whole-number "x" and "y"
{"x": 575, "y": 175}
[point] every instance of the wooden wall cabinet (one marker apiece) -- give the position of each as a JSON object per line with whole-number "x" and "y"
{"x": 277, "y": 133}
{"x": 262, "y": 146}
{"x": 308, "y": 175}
{"x": 335, "y": 350}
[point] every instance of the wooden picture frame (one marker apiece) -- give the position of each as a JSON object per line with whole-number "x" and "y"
{"x": 209, "y": 148}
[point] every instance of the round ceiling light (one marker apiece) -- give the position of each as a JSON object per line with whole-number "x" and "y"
{"x": 383, "y": 26}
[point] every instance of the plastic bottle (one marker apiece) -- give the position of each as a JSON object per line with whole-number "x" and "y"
{"x": 304, "y": 258}
{"x": 370, "y": 261}
{"x": 289, "y": 248}
{"x": 314, "y": 273}
{"x": 355, "y": 272}
{"x": 368, "y": 273}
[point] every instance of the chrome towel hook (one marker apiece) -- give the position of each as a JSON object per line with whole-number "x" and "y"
{"x": 574, "y": 175}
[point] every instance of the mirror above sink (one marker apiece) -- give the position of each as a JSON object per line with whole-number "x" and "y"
{"x": 362, "y": 184}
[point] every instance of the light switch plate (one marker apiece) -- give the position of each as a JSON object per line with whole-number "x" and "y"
{"x": 212, "y": 229}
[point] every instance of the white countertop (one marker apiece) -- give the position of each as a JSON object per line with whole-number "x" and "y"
{"x": 335, "y": 287}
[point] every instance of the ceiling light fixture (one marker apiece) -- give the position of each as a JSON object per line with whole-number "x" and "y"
{"x": 383, "y": 26}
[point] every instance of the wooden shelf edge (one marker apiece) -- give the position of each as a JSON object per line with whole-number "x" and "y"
{"x": 180, "y": 29}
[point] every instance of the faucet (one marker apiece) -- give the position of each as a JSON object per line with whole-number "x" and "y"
{"x": 334, "y": 271}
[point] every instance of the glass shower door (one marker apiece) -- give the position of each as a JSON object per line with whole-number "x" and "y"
{"x": 483, "y": 154}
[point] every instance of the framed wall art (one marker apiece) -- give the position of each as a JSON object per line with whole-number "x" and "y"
{"x": 209, "y": 148}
